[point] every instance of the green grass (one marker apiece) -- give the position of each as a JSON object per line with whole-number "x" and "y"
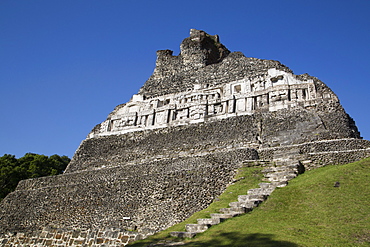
{"x": 308, "y": 212}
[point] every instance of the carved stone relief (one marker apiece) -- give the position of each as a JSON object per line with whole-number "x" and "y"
{"x": 275, "y": 91}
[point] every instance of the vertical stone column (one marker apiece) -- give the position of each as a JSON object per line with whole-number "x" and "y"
{"x": 225, "y": 106}
{"x": 161, "y": 116}
{"x": 170, "y": 115}
{"x": 232, "y": 105}
{"x": 249, "y": 104}
{"x": 240, "y": 105}
{"x": 151, "y": 118}
{"x": 311, "y": 91}
{"x": 300, "y": 94}
{"x": 293, "y": 94}
{"x": 211, "y": 109}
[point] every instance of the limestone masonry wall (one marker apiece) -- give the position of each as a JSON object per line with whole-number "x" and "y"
{"x": 175, "y": 146}
{"x": 263, "y": 129}
{"x": 49, "y": 236}
{"x": 319, "y": 153}
{"x": 153, "y": 195}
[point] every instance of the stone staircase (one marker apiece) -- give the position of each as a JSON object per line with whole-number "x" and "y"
{"x": 277, "y": 174}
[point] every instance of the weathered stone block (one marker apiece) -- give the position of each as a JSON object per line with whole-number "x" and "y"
{"x": 197, "y": 228}
{"x": 99, "y": 240}
{"x": 48, "y": 242}
{"x": 124, "y": 238}
{"x": 210, "y": 221}
{"x": 183, "y": 234}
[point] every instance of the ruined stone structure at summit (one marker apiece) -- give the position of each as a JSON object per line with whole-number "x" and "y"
{"x": 204, "y": 102}
{"x": 206, "y": 82}
{"x": 176, "y": 145}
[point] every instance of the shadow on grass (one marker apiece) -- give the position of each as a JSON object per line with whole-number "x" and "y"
{"x": 235, "y": 239}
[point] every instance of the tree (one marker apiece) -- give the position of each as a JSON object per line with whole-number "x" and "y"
{"x": 31, "y": 165}
{"x": 8, "y": 174}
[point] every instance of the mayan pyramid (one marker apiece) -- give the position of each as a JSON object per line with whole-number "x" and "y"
{"x": 176, "y": 145}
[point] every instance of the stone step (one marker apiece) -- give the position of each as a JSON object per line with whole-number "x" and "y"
{"x": 284, "y": 173}
{"x": 286, "y": 162}
{"x": 197, "y": 228}
{"x": 281, "y": 173}
{"x": 222, "y": 217}
{"x": 248, "y": 207}
{"x": 280, "y": 176}
{"x": 244, "y": 198}
{"x": 291, "y": 168}
{"x": 260, "y": 191}
{"x": 267, "y": 185}
{"x": 183, "y": 234}
{"x": 251, "y": 204}
{"x": 279, "y": 179}
{"x": 273, "y": 184}
{"x": 233, "y": 210}
{"x": 276, "y": 169}
{"x": 280, "y": 184}
{"x": 209, "y": 221}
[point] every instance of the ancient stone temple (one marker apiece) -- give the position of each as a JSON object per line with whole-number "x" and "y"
{"x": 176, "y": 145}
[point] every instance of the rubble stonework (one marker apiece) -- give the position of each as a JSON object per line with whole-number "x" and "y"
{"x": 176, "y": 145}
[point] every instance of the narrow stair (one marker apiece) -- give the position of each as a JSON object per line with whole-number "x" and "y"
{"x": 275, "y": 176}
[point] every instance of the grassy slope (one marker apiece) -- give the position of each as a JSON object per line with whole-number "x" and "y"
{"x": 308, "y": 212}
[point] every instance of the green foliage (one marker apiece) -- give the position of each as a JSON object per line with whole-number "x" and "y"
{"x": 12, "y": 170}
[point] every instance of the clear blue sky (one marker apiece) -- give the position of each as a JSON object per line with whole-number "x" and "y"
{"x": 65, "y": 65}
